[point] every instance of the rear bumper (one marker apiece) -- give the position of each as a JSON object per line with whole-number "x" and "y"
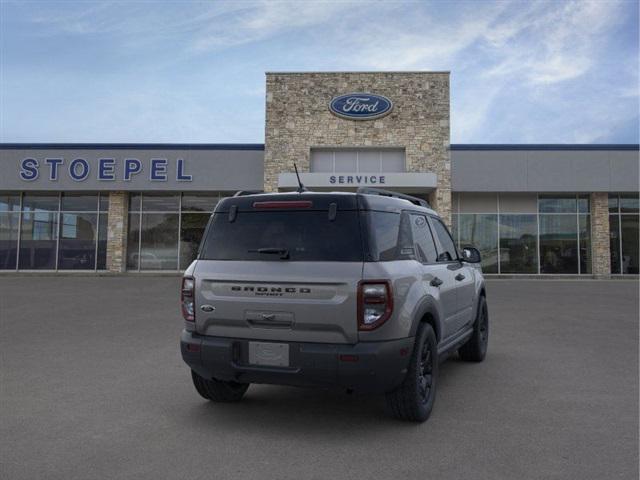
{"x": 379, "y": 367}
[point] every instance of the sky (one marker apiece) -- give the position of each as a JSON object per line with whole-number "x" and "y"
{"x": 178, "y": 71}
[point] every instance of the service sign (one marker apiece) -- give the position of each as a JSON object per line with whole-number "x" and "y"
{"x": 360, "y": 106}
{"x": 409, "y": 181}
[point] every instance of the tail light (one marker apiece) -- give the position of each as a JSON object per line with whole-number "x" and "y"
{"x": 187, "y": 298}
{"x": 375, "y": 303}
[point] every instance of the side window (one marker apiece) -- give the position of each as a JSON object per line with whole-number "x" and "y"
{"x": 447, "y": 249}
{"x": 391, "y": 236}
{"x": 423, "y": 241}
{"x": 385, "y": 229}
{"x": 406, "y": 249}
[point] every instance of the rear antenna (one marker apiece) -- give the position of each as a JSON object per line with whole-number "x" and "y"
{"x": 301, "y": 187}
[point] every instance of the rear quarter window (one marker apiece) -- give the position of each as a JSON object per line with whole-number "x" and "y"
{"x": 384, "y": 228}
{"x": 401, "y": 236}
{"x": 389, "y": 236}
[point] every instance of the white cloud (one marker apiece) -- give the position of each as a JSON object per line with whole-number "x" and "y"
{"x": 265, "y": 19}
{"x": 418, "y": 38}
{"x": 521, "y": 71}
{"x": 546, "y": 43}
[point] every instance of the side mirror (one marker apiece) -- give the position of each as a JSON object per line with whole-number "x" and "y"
{"x": 471, "y": 255}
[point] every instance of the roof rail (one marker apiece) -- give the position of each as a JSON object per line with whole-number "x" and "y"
{"x": 389, "y": 193}
{"x": 242, "y": 193}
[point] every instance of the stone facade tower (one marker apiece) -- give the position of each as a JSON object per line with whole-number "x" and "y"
{"x": 299, "y": 122}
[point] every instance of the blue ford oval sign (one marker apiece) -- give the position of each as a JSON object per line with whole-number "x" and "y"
{"x": 360, "y": 106}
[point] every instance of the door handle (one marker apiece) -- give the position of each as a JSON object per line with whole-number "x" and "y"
{"x": 436, "y": 282}
{"x": 460, "y": 277}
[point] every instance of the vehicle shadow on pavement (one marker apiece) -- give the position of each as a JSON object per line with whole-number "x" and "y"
{"x": 319, "y": 412}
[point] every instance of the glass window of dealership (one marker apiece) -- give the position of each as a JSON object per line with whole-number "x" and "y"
{"x": 53, "y": 231}
{"x": 68, "y": 230}
{"x": 523, "y": 233}
{"x": 517, "y": 233}
{"x": 165, "y": 229}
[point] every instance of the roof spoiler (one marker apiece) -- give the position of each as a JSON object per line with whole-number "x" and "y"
{"x": 242, "y": 193}
{"x": 389, "y": 193}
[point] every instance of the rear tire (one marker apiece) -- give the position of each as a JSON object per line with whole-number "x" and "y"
{"x": 476, "y": 347}
{"x": 217, "y": 390}
{"x": 413, "y": 399}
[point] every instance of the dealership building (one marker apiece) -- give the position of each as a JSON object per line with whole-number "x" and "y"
{"x": 530, "y": 209}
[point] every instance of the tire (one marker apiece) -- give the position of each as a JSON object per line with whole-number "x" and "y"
{"x": 476, "y": 347}
{"x": 217, "y": 390}
{"x": 413, "y": 399}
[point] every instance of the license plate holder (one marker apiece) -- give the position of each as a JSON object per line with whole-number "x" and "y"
{"x": 269, "y": 354}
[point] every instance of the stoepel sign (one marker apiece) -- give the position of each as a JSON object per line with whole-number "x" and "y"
{"x": 106, "y": 169}
{"x": 360, "y": 106}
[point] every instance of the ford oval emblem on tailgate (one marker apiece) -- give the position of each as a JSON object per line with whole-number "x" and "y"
{"x": 207, "y": 308}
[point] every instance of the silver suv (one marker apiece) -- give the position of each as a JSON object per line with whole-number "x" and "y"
{"x": 364, "y": 291}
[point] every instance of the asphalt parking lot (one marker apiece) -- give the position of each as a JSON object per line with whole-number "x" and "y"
{"x": 93, "y": 386}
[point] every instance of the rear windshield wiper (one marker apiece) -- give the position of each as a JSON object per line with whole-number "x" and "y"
{"x": 283, "y": 252}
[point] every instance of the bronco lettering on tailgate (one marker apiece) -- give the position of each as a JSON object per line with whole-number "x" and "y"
{"x": 269, "y": 291}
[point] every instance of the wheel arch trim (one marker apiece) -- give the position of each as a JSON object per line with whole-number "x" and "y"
{"x": 427, "y": 307}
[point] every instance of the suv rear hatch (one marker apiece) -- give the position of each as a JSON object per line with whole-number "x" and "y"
{"x": 281, "y": 267}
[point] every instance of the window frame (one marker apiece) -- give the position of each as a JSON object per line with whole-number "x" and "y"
{"x": 439, "y": 245}
{"x": 357, "y": 151}
{"x": 577, "y": 213}
{"x": 18, "y": 215}
{"x": 536, "y": 253}
{"x": 429, "y": 232}
{"x": 58, "y": 212}
{"x": 140, "y": 212}
{"x": 619, "y": 215}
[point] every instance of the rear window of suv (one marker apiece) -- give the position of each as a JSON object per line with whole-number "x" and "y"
{"x": 304, "y": 235}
